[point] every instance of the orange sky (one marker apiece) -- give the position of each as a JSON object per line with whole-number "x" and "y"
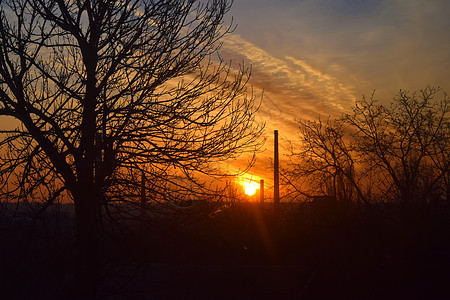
{"x": 316, "y": 57}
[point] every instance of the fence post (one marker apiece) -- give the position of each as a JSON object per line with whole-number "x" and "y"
{"x": 276, "y": 174}
{"x": 143, "y": 194}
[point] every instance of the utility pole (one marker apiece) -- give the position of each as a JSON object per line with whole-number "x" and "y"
{"x": 261, "y": 191}
{"x": 276, "y": 174}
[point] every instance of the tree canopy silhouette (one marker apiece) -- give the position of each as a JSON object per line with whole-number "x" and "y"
{"x": 378, "y": 153}
{"x": 106, "y": 90}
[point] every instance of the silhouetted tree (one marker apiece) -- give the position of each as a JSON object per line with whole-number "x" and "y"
{"x": 325, "y": 162}
{"x": 107, "y": 90}
{"x": 406, "y": 144}
{"x": 392, "y": 153}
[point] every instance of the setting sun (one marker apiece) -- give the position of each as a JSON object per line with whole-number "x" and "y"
{"x": 250, "y": 187}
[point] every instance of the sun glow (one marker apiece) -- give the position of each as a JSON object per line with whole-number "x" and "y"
{"x": 250, "y": 186}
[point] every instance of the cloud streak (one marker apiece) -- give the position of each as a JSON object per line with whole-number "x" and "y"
{"x": 292, "y": 89}
{"x": 316, "y": 57}
{"x": 366, "y": 45}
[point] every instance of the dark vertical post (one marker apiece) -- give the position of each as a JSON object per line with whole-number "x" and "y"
{"x": 261, "y": 191}
{"x": 143, "y": 196}
{"x": 276, "y": 174}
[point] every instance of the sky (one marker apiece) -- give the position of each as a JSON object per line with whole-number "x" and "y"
{"x": 316, "y": 57}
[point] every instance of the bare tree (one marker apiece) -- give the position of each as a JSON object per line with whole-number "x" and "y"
{"x": 325, "y": 162}
{"x": 107, "y": 90}
{"x": 404, "y": 144}
{"x": 394, "y": 153}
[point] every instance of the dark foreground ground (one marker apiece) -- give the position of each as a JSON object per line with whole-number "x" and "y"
{"x": 241, "y": 252}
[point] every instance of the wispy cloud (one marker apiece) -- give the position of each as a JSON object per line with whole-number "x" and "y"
{"x": 378, "y": 44}
{"x": 316, "y": 57}
{"x": 292, "y": 89}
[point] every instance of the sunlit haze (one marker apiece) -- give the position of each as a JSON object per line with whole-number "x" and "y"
{"x": 250, "y": 186}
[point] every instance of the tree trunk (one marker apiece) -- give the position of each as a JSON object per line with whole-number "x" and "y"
{"x": 87, "y": 226}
